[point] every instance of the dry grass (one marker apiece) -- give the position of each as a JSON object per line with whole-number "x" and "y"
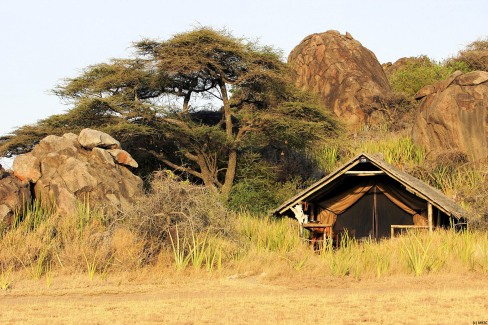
{"x": 249, "y": 245}
{"x": 198, "y": 299}
{"x": 255, "y": 270}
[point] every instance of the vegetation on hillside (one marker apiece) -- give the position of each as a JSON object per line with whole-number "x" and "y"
{"x": 411, "y": 74}
{"x": 473, "y": 57}
{"x": 417, "y": 72}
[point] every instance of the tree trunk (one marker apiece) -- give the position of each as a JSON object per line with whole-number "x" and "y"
{"x": 206, "y": 174}
{"x": 232, "y": 154}
{"x": 186, "y": 102}
{"x": 229, "y": 174}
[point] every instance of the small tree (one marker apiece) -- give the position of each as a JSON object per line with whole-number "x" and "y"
{"x": 473, "y": 57}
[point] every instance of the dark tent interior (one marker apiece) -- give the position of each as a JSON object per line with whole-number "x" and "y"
{"x": 368, "y": 205}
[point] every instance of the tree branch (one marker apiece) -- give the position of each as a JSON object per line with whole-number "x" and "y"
{"x": 176, "y": 122}
{"x": 173, "y": 165}
{"x": 181, "y": 168}
{"x": 190, "y": 156}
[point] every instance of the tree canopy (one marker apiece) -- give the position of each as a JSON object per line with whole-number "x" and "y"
{"x": 192, "y": 103}
{"x": 473, "y": 57}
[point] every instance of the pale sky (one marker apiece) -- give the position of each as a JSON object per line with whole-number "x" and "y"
{"x": 44, "y": 41}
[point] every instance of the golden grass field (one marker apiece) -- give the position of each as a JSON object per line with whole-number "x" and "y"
{"x": 257, "y": 271}
{"x": 200, "y": 298}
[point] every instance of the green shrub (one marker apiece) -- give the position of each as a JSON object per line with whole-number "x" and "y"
{"x": 419, "y": 72}
{"x": 473, "y": 57}
{"x": 261, "y": 186}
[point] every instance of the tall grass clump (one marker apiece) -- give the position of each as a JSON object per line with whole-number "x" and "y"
{"x": 446, "y": 177}
{"x": 33, "y": 214}
{"x": 267, "y": 233}
{"x": 87, "y": 212}
{"x": 40, "y": 241}
{"x": 354, "y": 258}
{"x": 179, "y": 247}
{"x": 326, "y": 156}
{"x": 417, "y": 252}
{"x": 395, "y": 150}
{"x": 467, "y": 250}
{"x": 376, "y": 258}
{"x": 5, "y": 279}
{"x": 199, "y": 251}
{"x": 460, "y": 179}
{"x": 481, "y": 253}
{"x": 343, "y": 260}
{"x": 96, "y": 264}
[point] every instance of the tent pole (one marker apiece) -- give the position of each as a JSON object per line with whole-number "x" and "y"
{"x": 375, "y": 214}
{"x": 429, "y": 215}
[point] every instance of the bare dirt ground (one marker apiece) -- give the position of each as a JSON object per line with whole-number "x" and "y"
{"x": 239, "y": 299}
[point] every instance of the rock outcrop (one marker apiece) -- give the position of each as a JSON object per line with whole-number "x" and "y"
{"x": 71, "y": 168}
{"x": 453, "y": 115}
{"x": 347, "y": 76}
{"x": 13, "y": 194}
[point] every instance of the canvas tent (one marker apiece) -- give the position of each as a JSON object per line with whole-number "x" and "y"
{"x": 367, "y": 196}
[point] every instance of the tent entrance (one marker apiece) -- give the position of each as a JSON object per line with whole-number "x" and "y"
{"x": 371, "y": 216}
{"x": 370, "y": 207}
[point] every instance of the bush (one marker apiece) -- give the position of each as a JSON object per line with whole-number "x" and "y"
{"x": 259, "y": 197}
{"x": 419, "y": 72}
{"x": 170, "y": 202}
{"x": 261, "y": 185}
{"x": 474, "y": 57}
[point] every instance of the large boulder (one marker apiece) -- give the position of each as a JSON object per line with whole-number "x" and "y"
{"x": 90, "y": 139}
{"x": 27, "y": 168}
{"x": 346, "y": 75}
{"x": 89, "y": 168}
{"x": 13, "y": 196}
{"x": 453, "y": 115}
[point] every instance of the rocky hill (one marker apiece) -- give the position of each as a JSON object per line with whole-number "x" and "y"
{"x": 452, "y": 116}
{"x": 346, "y": 75}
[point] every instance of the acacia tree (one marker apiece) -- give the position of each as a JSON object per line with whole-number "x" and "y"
{"x": 194, "y": 102}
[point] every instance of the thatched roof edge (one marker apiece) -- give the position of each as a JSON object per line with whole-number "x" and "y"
{"x": 414, "y": 185}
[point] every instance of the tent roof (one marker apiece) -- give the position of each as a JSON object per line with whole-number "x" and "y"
{"x": 412, "y": 184}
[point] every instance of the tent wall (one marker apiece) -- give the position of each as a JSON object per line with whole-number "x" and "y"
{"x": 389, "y": 214}
{"x": 358, "y": 219}
{"x": 368, "y": 206}
{"x": 372, "y": 216}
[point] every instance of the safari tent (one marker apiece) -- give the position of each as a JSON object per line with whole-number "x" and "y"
{"x": 368, "y": 197}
